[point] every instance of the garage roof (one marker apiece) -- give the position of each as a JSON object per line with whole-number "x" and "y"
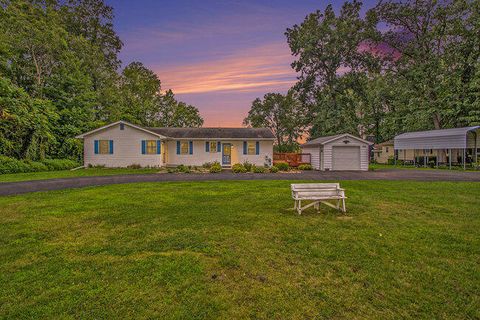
{"x": 322, "y": 140}
{"x": 455, "y": 138}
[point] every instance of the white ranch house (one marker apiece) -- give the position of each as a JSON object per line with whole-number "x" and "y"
{"x": 338, "y": 152}
{"x": 121, "y": 144}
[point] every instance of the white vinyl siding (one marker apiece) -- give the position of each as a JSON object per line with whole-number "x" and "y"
{"x": 322, "y": 155}
{"x": 328, "y": 152}
{"x": 200, "y": 157}
{"x": 127, "y": 148}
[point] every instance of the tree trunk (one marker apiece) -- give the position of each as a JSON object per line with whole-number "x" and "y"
{"x": 26, "y": 144}
{"x": 436, "y": 121}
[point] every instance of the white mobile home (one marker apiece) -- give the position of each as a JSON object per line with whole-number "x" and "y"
{"x": 339, "y": 152}
{"x": 121, "y": 144}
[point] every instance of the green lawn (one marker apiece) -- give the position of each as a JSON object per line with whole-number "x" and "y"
{"x": 69, "y": 174}
{"x": 231, "y": 250}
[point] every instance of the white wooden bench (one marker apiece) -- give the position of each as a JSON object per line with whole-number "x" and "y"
{"x": 318, "y": 193}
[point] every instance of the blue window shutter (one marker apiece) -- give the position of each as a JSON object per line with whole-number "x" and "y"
{"x": 191, "y": 147}
{"x": 144, "y": 146}
{"x": 219, "y": 146}
{"x": 95, "y": 146}
{"x": 111, "y": 146}
{"x": 159, "y": 146}
{"x": 207, "y": 146}
{"x": 257, "y": 147}
{"x": 178, "y": 147}
{"x": 244, "y": 147}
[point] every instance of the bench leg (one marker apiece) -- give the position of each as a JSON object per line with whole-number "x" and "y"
{"x": 299, "y": 207}
{"x": 317, "y": 206}
{"x": 344, "y": 209}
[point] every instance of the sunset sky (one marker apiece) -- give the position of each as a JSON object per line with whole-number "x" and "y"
{"x": 217, "y": 55}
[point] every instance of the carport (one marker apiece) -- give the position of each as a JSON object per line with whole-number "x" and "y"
{"x": 457, "y": 146}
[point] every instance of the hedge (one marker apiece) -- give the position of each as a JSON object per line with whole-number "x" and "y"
{"x": 12, "y": 165}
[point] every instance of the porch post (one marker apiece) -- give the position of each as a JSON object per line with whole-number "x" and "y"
{"x": 424, "y": 158}
{"x": 414, "y": 158}
{"x": 463, "y": 158}
{"x": 450, "y": 158}
{"x": 476, "y": 150}
{"x": 437, "y": 159}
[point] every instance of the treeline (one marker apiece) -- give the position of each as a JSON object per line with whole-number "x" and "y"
{"x": 402, "y": 66}
{"x": 60, "y": 76}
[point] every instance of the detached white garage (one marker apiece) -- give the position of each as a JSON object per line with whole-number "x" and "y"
{"x": 339, "y": 152}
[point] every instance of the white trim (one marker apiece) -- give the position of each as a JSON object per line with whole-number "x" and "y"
{"x": 83, "y": 135}
{"x": 349, "y": 135}
{"x": 307, "y": 145}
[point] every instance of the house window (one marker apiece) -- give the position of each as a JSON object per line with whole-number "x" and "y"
{"x": 386, "y": 149}
{"x": 122, "y": 126}
{"x": 151, "y": 147}
{"x": 251, "y": 147}
{"x": 104, "y": 146}
{"x": 213, "y": 146}
{"x": 184, "y": 147}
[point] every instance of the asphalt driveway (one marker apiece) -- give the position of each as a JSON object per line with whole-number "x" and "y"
{"x": 11, "y": 188}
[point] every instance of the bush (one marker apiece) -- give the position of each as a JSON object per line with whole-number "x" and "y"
{"x": 183, "y": 168}
{"x": 134, "y": 166}
{"x": 59, "y": 164}
{"x": 282, "y": 165}
{"x": 305, "y": 167}
{"x": 36, "y": 166}
{"x": 215, "y": 167}
{"x": 239, "y": 168}
{"x": 248, "y": 166}
{"x": 207, "y": 165}
{"x": 273, "y": 169}
{"x": 11, "y": 165}
{"x": 256, "y": 169}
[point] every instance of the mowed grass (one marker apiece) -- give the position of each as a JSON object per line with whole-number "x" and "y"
{"x": 88, "y": 172}
{"x": 232, "y": 250}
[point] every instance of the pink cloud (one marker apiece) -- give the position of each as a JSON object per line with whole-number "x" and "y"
{"x": 266, "y": 66}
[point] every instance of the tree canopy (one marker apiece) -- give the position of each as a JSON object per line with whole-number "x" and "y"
{"x": 401, "y": 66}
{"x": 60, "y": 75}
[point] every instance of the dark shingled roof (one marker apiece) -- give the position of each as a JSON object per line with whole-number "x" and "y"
{"x": 320, "y": 140}
{"x": 214, "y": 133}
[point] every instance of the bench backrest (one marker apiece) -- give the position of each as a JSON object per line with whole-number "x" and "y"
{"x": 316, "y": 190}
{"x": 314, "y": 186}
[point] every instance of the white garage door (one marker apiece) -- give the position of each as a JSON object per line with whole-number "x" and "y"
{"x": 346, "y": 158}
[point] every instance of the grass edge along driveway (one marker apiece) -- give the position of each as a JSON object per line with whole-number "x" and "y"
{"x": 203, "y": 250}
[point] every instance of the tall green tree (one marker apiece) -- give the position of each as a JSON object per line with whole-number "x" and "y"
{"x": 328, "y": 59}
{"x": 435, "y": 59}
{"x": 59, "y": 68}
{"x": 282, "y": 114}
{"x": 26, "y": 123}
{"x": 173, "y": 113}
{"x": 139, "y": 88}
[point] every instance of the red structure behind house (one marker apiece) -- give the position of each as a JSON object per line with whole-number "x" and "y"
{"x": 293, "y": 159}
